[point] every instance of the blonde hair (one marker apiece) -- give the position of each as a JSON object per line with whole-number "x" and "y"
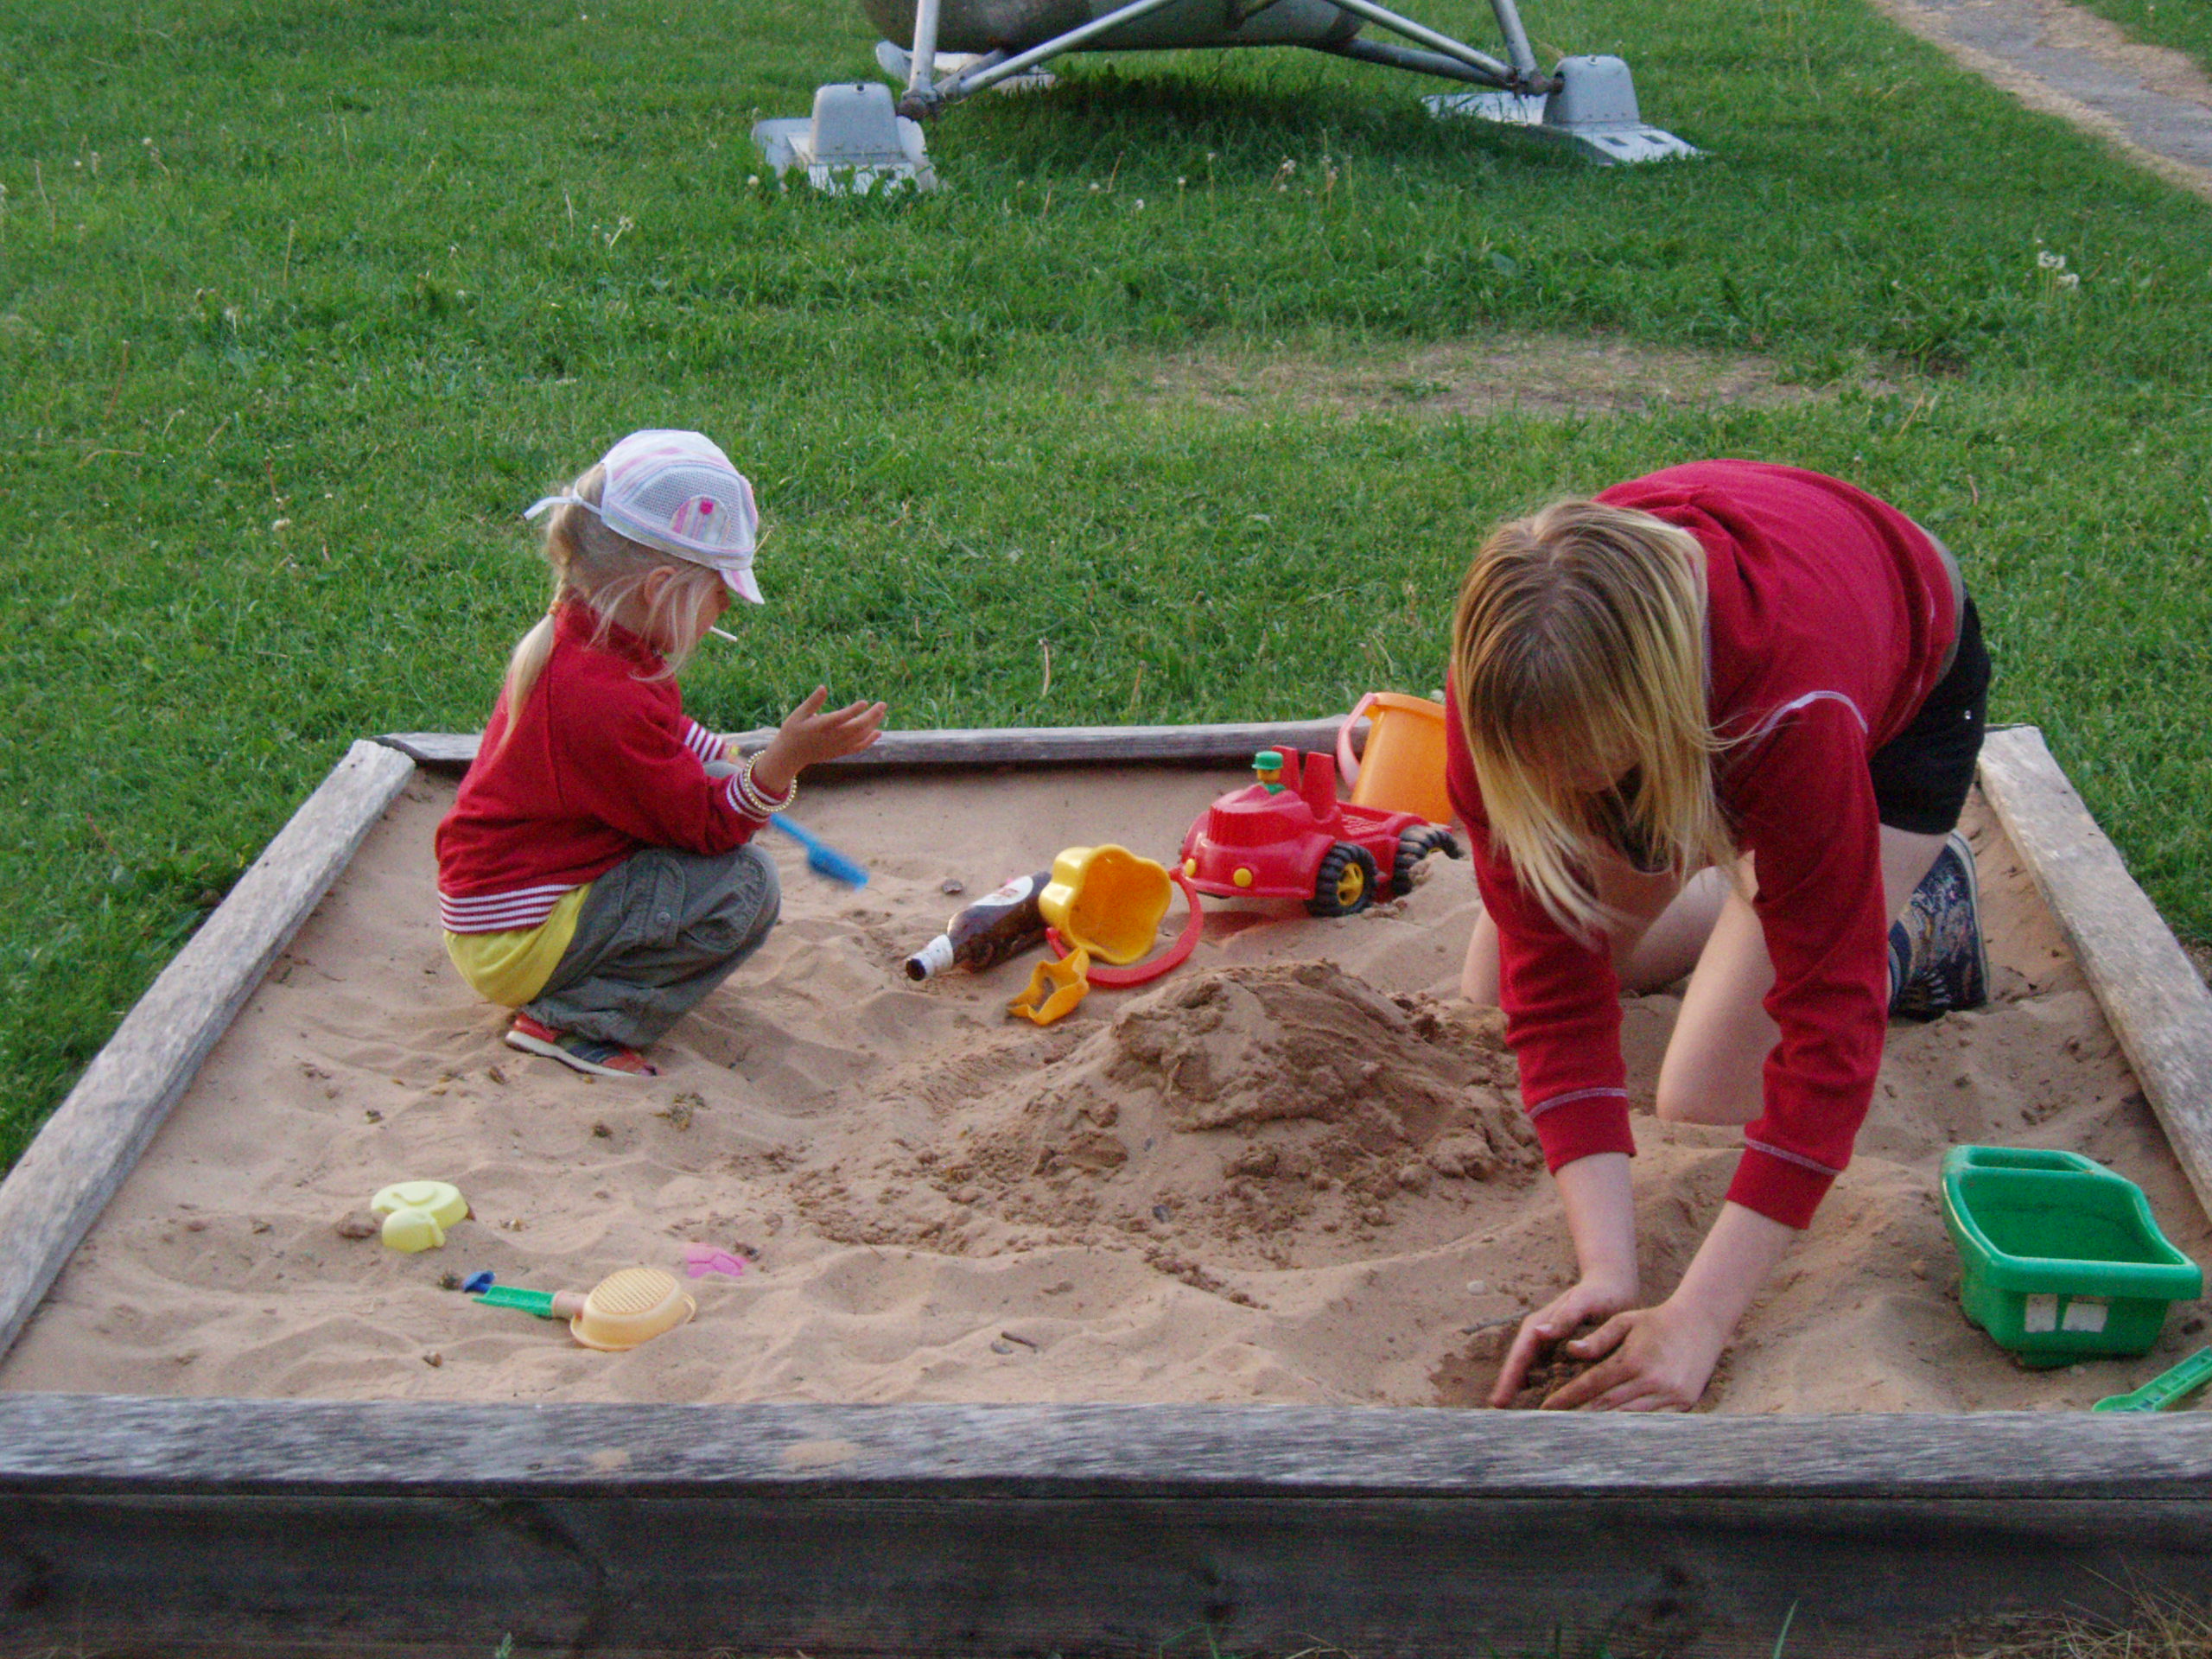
{"x": 607, "y": 571}
{"x": 1578, "y": 649}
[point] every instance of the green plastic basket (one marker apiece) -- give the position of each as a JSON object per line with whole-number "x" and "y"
{"x": 2061, "y": 1260}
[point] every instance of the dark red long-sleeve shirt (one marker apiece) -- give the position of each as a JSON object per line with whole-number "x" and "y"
{"x": 1829, "y": 617}
{"x": 602, "y": 761}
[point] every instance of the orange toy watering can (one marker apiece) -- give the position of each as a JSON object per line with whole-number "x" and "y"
{"x": 1403, "y": 769}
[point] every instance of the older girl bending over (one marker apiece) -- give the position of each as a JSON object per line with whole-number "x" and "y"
{"x": 1719, "y": 720}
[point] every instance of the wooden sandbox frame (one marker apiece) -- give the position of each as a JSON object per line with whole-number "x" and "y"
{"x": 219, "y": 1526}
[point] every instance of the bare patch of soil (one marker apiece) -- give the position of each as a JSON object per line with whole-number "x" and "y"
{"x": 1534, "y": 374}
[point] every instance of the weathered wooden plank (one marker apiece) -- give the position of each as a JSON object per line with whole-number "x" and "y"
{"x": 1000, "y": 746}
{"x": 422, "y": 1578}
{"x": 212, "y": 1525}
{"x": 86, "y": 1444}
{"x": 2156, "y": 1004}
{"x": 58, "y": 1188}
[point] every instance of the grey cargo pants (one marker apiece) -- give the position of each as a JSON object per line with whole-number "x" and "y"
{"x": 657, "y": 933}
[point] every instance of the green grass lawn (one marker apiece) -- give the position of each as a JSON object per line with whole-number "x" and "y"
{"x": 301, "y": 303}
{"x": 2184, "y": 25}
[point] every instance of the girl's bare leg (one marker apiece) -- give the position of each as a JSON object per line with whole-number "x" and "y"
{"x": 1715, "y": 1061}
{"x": 1649, "y": 937}
{"x": 1671, "y": 946}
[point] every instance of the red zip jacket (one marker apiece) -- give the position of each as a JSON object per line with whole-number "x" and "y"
{"x": 1828, "y": 616}
{"x": 602, "y": 761}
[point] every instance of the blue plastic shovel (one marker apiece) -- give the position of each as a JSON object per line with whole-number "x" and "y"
{"x": 822, "y": 858}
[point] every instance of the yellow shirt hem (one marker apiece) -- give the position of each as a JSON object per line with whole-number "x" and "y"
{"x": 511, "y": 968}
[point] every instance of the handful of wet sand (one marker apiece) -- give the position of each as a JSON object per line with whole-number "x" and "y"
{"x": 1553, "y": 1368}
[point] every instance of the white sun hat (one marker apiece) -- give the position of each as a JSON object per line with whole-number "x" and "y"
{"x": 675, "y": 492}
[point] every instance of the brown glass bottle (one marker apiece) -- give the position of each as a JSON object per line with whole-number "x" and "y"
{"x": 1002, "y": 923}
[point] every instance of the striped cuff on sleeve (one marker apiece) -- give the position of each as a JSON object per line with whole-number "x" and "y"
{"x": 702, "y": 743}
{"x": 742, "y": 800}
{"x": 1782, "y": 1185}
{"x": 1580, "y": 1124}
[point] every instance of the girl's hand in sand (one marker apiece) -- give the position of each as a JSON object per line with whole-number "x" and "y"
{"x": 1601, "y": 1217}
{"x": 811, "y": 733}
{"x": 1592, "y": 1297}
{"x": 1657, "y": 1359}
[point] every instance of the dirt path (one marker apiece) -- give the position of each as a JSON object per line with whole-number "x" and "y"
{"x": 2151, "y": 102}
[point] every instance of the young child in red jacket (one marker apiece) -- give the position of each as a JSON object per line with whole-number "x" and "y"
{"x": 596, "y": 873}
{"x": 1719, "y": 720}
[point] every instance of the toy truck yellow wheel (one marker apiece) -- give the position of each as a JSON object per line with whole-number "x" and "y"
{"x": 1345, "y": 884}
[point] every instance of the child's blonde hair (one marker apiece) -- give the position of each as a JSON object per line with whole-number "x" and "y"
{"x": 1578, "y": 652}
{"x": 606, "y": 570}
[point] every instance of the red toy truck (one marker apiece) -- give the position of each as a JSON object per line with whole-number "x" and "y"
{"x": 1289, "y": 836}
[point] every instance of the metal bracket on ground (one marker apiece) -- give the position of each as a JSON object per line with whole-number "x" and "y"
{"x": 854, "y": 142}
{"x": 1594, "y": 109}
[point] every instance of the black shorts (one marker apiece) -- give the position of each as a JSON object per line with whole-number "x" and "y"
{"x": 1923, "y": 774}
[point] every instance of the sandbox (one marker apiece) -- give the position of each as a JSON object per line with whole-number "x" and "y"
{"x": 1293, "y": 1172}
{"x": 1258, "y": 1221}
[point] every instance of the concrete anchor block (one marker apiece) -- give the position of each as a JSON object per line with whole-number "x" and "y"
{"x": 1594, "y": 109}
{"x": 854, "y": 142}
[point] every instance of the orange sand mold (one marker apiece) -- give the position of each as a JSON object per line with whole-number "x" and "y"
{"x": 1292, "y": 1171}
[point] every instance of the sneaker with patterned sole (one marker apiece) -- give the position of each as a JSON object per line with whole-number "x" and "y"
{"x": 1938, "y": 940}
{"x": 578, "y": 1054}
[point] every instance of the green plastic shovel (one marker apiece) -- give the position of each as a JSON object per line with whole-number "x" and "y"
{"x": 546, "y": 1304}
{"x": 2166, "y": 1389}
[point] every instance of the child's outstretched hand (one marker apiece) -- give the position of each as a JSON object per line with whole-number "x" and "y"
{"x": 811, "y": 733}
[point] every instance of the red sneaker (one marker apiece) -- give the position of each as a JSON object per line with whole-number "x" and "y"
{"x": 578, "y": 1054}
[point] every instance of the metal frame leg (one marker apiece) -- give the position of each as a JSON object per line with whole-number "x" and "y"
{"x": 919, "y": 89}
{"x": 1391, "y": 55}
{"x": 923, "y": 99}
{"x": 1514, "y": 77}
{"x": 1516, "y": 38}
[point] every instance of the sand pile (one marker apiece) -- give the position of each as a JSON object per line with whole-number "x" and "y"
{"x": 1293, "y": 1170}
{"x": 1283, "y": 1117}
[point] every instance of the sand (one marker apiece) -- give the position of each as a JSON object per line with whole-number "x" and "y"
{"x": 1293, "y": 1170}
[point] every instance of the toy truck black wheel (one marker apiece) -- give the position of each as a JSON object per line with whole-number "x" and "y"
{"x": 1414, "y": 845}
{"x": 1345, "y": 885}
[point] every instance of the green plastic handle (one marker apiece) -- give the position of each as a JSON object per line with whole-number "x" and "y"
{"x": 540, "y": 1302}
{"x": 2165, "y": 1388}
